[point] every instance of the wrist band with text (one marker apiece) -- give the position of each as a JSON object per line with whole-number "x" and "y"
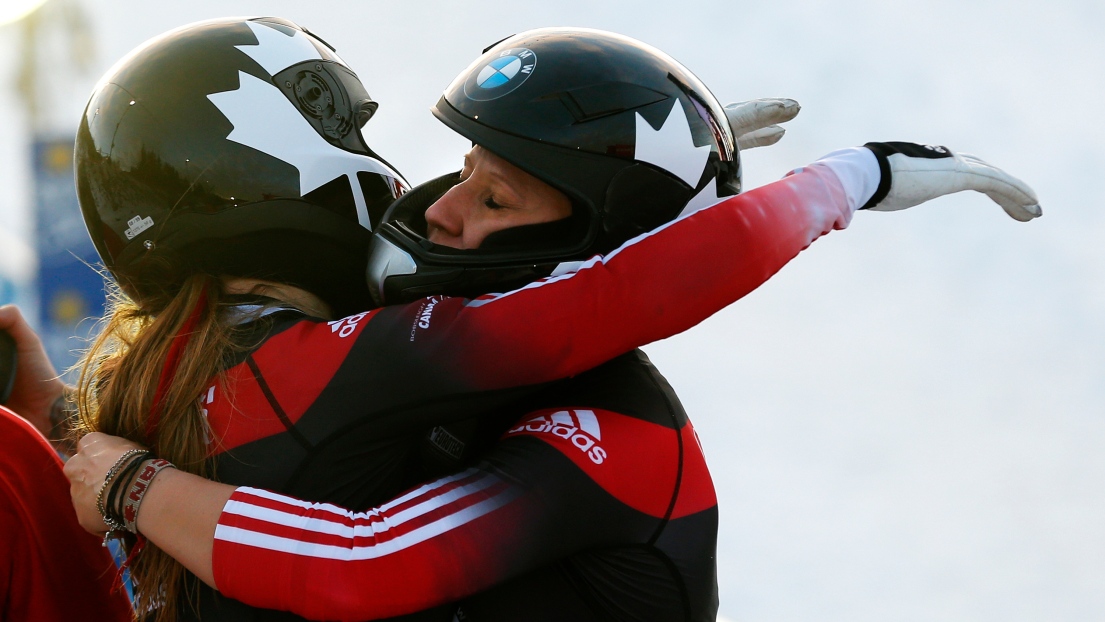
{"x": 148, "y": 471}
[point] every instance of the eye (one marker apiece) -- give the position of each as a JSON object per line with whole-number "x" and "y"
{"x": 491, "y": 204}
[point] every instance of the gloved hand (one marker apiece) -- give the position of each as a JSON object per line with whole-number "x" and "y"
{"x": 754, "y": 122}
{"x": 913, "y": 174}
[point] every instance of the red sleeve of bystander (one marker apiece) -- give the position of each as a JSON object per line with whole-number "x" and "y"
{"x": 50, "y": 569}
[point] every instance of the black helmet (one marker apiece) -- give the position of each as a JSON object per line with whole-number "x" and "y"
{"x": 233, "y": 146}
{"x": 624, "y": 130}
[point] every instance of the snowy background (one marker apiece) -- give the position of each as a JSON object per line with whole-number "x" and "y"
{"x": 908, "y": 422}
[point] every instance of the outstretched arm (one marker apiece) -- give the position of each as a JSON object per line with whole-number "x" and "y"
{"x": 442, "y": 350}
{"x": 668, "y": 280}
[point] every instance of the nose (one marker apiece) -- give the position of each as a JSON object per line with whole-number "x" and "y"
{"x": 445, "y": 218}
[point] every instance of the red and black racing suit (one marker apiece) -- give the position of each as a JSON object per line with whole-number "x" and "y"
{"x": 604, "y": 472}
{"x": 334, "y": 411}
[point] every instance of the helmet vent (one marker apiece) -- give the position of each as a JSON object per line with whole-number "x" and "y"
{"x": 601, "y": 100}
{"x": 316, "y": 99}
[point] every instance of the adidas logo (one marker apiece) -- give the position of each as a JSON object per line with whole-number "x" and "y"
{"x": 580, "y": 427}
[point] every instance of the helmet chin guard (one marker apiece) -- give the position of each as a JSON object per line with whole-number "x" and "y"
{"x": 233, "y": 146}
{"x": 404, "y": 265}
{"x": 625, "y": 131}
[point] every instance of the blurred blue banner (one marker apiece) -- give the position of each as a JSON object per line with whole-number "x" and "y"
{"x": 69, "y": 289}
{"x": 7, "y": 291}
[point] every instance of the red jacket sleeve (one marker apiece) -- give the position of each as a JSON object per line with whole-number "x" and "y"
{"x": 654, "y": 286}
{"x": 50, "y": 568}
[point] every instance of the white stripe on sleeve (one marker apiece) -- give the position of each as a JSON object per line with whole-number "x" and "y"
{"x": 371, "y": 550}
{"x": 378, "y": 521}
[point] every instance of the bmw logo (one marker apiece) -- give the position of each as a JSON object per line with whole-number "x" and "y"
{"x": 500, "y": 75}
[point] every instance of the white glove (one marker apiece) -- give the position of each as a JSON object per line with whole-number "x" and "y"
{"x": 754, "y": 122}
{"x": 913, "y": 174}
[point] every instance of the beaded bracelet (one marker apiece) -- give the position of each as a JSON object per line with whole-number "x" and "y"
{"x": 111, "y": 474}
{"x": 149, "y": 470}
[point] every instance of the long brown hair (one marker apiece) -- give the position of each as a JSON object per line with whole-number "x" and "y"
{"x": 119, "y": 376}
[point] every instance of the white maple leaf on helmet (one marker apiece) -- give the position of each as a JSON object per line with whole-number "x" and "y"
{"x": 671, "y": 147}
{"x": 257, "y": 106}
